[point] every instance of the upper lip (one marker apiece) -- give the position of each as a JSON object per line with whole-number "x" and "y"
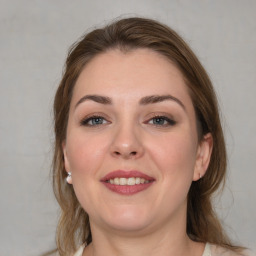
{"x": 126, "y": 174}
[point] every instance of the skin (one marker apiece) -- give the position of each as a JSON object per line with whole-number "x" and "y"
{"x": 130, "y": 137}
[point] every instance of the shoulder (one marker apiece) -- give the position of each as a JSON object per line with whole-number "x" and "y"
{"x": 221, "y": 251}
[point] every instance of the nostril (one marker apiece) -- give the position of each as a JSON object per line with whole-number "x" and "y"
{"x": 133, "y": 153}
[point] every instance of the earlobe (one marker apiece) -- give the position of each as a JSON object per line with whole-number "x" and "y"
{"x": 203, "y": 156}
{"x": 66, "y": 163}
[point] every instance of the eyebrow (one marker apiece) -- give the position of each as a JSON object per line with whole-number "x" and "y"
{"x": 97, "y": 98}
{"x": 143, "y": 101}
{"x": 160, "y": 98}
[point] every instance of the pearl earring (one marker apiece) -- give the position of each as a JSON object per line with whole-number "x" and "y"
{"x": 69, "y": 178}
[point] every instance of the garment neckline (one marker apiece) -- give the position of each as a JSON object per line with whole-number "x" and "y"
{"x": 207, "y": 250}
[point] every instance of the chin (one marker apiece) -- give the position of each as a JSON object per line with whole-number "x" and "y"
{"x": 128, "y": 220}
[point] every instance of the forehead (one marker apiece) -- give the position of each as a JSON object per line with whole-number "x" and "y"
{"x": 132, "y": 74}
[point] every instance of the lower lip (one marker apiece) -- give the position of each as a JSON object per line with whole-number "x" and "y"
{"x": 126, "y": 189}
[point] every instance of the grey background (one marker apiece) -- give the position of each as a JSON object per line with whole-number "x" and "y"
{"x": 35, "y": 36}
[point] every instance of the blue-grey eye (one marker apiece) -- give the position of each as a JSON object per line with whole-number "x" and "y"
{"x": 96, "y": 121}
{"x": 161, "y": 121}
{"x": 93, "y": 121}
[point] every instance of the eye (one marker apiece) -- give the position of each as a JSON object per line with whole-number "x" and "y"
{"x": 94, "y": 121}
{"x": 161, "y": 121}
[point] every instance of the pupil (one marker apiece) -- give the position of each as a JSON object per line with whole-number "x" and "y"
{"x": 159, "y": 121}
{"x": 97, "y": 121}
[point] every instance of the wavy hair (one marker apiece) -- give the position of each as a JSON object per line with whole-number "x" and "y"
{"x": 130, "y": 34}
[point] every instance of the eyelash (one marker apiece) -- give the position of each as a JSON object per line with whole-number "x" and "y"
{"x": 85, "y": 122}
{"x": 170, "y": 122}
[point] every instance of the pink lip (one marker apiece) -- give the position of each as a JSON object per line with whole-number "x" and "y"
{"x": 126, "y": 190}
{"x": 126, "y": 174}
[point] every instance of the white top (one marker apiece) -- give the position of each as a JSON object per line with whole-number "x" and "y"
{"x": 209, "y": 250}
{"x": 79, "y": 252}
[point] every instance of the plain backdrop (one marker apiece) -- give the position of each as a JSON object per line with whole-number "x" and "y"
{"x": 34, "y": 38}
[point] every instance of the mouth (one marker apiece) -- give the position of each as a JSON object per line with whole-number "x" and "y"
{"x": 127, "y": 182}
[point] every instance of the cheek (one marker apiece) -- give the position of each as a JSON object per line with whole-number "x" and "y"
{"x": 86, "y": 155}
{"x": 85, "y": 152}
{"x": 175, "y": 155}
{"x": 175, "y": 158}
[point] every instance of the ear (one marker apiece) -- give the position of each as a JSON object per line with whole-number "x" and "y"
{"x": 203, "y": 156}
{"x": 66, "y": 161}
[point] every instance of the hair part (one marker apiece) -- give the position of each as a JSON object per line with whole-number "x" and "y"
{"x": 126, "y": 35}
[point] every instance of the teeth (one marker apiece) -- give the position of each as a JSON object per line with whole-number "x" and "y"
{"x": 116, "y": 181}
{"x": 130, "y": 181}
{"x": 137, "y": 181}
{"x": 122, "y": 181}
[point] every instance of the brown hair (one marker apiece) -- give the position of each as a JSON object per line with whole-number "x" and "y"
{"x": 128, "y": 34}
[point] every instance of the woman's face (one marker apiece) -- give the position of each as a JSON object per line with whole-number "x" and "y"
{"x": 132, "y": 143}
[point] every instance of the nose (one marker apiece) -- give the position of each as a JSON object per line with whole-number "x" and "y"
{"x": 127, "y": 143}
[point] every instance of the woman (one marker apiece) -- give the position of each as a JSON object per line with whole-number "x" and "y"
{"x": 139, "y": 147}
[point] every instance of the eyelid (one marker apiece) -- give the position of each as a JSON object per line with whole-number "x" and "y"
{"x": 166, "y": 117}
{"x": 171, "y": 121}
{"x": 86, "y": 119}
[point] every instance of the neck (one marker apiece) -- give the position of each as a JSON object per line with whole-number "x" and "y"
{"x": 164, "y": 241}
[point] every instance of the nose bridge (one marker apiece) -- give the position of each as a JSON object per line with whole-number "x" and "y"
{"x": 126, "y": 141}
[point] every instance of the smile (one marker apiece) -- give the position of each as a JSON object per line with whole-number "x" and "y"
{"x": 127, "y": 182}
{"x": 130, "y": 181}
